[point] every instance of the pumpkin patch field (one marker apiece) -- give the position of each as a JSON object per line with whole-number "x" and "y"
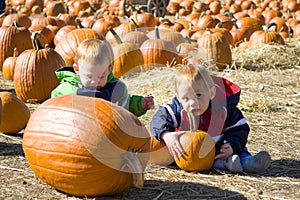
{"x": 75, "y": 147}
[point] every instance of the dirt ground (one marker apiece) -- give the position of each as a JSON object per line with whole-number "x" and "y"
{"x": 270, "y": 101}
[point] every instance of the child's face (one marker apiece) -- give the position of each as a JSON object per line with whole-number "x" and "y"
{"x": 94, "y": 75}
{"x": 194, "y": 97}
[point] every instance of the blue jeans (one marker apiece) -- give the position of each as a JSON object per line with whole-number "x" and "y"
{"x": 219, "y": 164}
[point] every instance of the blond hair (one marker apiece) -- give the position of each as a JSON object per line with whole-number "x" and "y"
{"x": 191, "y": 73}
{"x": 93, "y": 50}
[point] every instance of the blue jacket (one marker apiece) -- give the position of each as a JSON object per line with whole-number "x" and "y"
{"x": 223, "y": 107}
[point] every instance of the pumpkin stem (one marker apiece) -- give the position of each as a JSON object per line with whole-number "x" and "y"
{"x": 132, "y": 163}
{"x": 166, "y": 21}
{"x": 270, "y": 25}
{"x": 16, "y": 53}
{"x": 37, "y": 45}
{"x": 193, "y": 122}
{"x": 78, "y": 22}
{"x": 15, "y": 24}
{"x": 219, "y": 25}
{"x": 118, "y": 39}
{"x": 157, "y": 32}
{"x": 229, "y": 14}
{"x": 96, "y": 14}
{"x": 135, "y": 24}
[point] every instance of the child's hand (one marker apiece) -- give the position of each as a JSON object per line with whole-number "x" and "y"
{"x": 147, "y": 103}
{"x": 172, "y": 141}
{"x": 225, "y": 151}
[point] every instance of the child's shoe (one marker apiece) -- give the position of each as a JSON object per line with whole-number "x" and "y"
{"x": 257, "y": 163}
{"x": 233, "y": 164}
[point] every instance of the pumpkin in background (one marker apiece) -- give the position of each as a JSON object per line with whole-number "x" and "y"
{"x": 158, "y": 52}
{"x": 8, "y": 67}
{"x": 128, "y": 57}
{"x": 62, "y": 32}
{"x": 217, "y": 47}
{"x": 34, "y": 76}
{"x": 68, "y": 45}
{"x": 266, "y": 36}
{"x": 86, "y": 146}
{"x": 13, "y": 37}
{"x": 21, "y": 19}
{"x": 15, "y": 114}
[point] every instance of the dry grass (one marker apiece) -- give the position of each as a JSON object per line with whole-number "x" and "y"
{"x": 270, "y": 101}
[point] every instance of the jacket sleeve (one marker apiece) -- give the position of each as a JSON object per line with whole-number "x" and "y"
{"x": 236, "y": 130}
{"x": 131, "y": 102}
{"x": 63, "y": 88}
{"x": 135, "y": 105}
{"x": 161, "y": 122}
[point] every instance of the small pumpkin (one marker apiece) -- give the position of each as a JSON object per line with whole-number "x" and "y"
{"x": 13, "y": 37}
{"x": 101, "y": 149}
{"x": 15, "y": 114}
{"x": 8, "y": 67}
{"x": 199, "y": 152}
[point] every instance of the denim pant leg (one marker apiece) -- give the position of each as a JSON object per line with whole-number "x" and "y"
{"x": 244, "y": 155}
{"x": 218, "y": 163}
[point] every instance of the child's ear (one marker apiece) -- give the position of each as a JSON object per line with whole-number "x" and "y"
{"x": 212, "y": 92}
{"x": 76, "y": 68}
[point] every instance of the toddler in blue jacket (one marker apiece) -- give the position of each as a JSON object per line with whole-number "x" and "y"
{"x": 212, "y": 101}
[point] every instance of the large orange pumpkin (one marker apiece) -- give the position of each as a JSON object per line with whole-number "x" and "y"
{"x": 34, "y": 75}
{"x": 86, "y": 146}
{"x": 15, "y": 114}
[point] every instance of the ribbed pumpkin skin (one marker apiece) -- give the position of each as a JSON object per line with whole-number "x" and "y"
{"x": 262, "y": 37}
{"x": 160, "y": 154}
{"x": 68, "y": 45}
{"x": 8, "y": 68}
{"x": 11, "y": 37}
{"x": 75, "y": 144}
{"x": 217, "y": 47}
{"x": 193, "y": 143}
{"x": 158, "y": 52}
{"x": 34, "y": 76}
{"x": 127, "y": 58}
{"x": 15, "y": 113}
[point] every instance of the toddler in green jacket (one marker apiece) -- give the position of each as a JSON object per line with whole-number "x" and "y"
{"x": 91, "y": 75}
